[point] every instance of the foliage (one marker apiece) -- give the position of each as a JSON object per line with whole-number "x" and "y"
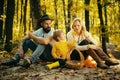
{"x": 77, "y": 10}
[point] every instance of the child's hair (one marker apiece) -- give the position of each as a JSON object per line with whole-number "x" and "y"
{"x": 56, "y": 34}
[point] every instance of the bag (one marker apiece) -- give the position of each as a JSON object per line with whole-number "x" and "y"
{"x": 90, "y": 62}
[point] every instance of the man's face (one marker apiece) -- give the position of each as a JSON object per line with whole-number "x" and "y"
{"x": 46, "y": 25}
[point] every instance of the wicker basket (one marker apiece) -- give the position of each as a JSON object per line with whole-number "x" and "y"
{"x": 75, "y": 64}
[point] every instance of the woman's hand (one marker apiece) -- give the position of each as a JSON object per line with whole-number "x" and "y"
{"x": 93, "y": 46}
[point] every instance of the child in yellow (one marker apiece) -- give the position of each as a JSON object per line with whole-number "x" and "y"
{"x": 60, "y": 49}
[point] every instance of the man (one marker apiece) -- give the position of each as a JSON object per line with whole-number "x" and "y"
{"x": 26, "y": 43}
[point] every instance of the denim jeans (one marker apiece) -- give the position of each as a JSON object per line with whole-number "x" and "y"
{"x": 28, "y": 44}
{"x": 37, "y": 53}
{"x": 46, "y": 55}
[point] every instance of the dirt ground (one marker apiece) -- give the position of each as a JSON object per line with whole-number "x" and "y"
{"x": 38, "y": 72}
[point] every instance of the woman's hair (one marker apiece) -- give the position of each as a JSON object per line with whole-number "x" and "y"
{"x": 83, "y": 29}
{"x": 56, "y": 34}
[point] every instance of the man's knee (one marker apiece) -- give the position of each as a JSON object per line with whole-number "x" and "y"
{"x": 29, "y": 44}
{"x": 28, "y": 41}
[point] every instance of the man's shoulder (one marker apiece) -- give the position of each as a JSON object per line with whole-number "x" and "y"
{"x": 40, "y": 29}
{"x": 52, "y": 29}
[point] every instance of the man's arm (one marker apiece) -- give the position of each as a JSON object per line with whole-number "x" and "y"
{"x": 20, "y": 49}
{"x": 40, "y": 40}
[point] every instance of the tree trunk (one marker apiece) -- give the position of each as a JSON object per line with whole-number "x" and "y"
{"x": 65, "y": 19}
{"x": 9, "y": 24}
{"x": 87, "y": 2}
{"x": 56, "y": 19}
{"x": 119, "y": 13}
{"x": 69, "y": 14}
{"x": 103, "y": 35}
{"x": 105, "y": 13}
{"x": 24, "y": 19}
{"x": 35, "y": 12}
{"x": 1, "y": 20}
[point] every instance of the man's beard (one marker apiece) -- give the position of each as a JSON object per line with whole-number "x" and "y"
{"x": 46, "y": 29}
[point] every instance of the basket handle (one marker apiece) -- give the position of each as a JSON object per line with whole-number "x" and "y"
{"x": 81, "y": 55}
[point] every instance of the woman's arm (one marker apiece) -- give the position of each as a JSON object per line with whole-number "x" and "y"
{"x": 86, "y": 47}
{"x": 82, "y": 48}
{"x": 90, "y": 38}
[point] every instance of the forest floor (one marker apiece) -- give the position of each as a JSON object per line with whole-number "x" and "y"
{"x": 38, "y": 72}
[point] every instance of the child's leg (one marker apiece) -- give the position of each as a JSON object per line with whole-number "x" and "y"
{"x": 58, "y": 63}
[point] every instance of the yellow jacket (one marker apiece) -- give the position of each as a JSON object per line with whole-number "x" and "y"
{"x": 60, "y": 49}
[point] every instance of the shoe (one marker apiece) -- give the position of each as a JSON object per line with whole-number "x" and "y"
{"x": 11, "y": 62}
{"x": 47, "y": 67}
{"x": 26, "y": 64}
{"x": 111, "y": 63}
{"x": 102, "y": 66}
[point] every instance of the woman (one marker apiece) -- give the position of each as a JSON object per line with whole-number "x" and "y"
{"x": 87, "y": 44}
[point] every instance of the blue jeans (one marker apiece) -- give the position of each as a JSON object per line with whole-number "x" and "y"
{"x": 37, "y": 50}
{"x": 28, "y": 44}
{"x": 37, "y": 53}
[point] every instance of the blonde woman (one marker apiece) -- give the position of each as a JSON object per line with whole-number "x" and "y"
{"x": 86, "y": 44}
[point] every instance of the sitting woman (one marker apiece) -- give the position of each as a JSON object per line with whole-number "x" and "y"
{"x": 88, "y": 45}
{"x": 60, "y": 49}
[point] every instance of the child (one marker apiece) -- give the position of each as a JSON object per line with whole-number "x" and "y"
{"x": 60, "y": 49}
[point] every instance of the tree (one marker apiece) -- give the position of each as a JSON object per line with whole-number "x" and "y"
{"x": 35, "y": 12}
{"x": 105, "y": 13}
{"x": 63, "y": 1}
{"x": 1, "y": 20}
{"x": 24, "y": 18}
{"x": 70, "y": 2}
{"x": 56, "y": 19}
{"x": 103, "y": 35}
{"x": 87, "y": 2}
{"x": 9, "y": 24}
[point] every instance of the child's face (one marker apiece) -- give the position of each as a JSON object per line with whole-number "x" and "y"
{"x": 62, "y": 37}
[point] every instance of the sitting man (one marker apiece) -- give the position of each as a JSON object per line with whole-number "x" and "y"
{"x": 26, "y": 43}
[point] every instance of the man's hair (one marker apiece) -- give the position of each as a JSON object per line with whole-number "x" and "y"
{"x": 56, "y": 34}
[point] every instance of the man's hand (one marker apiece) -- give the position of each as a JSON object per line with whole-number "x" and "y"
{"x": 30, "y": 34}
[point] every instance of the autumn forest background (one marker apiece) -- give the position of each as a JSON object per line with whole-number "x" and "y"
{"x": 101, "y": 17}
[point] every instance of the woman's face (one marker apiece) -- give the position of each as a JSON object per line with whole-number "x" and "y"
{"x": 77, "y": 27}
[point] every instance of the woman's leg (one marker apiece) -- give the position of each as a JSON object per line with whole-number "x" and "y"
{"x": 104, "y": 57}
{"x": 100, "y": 63}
